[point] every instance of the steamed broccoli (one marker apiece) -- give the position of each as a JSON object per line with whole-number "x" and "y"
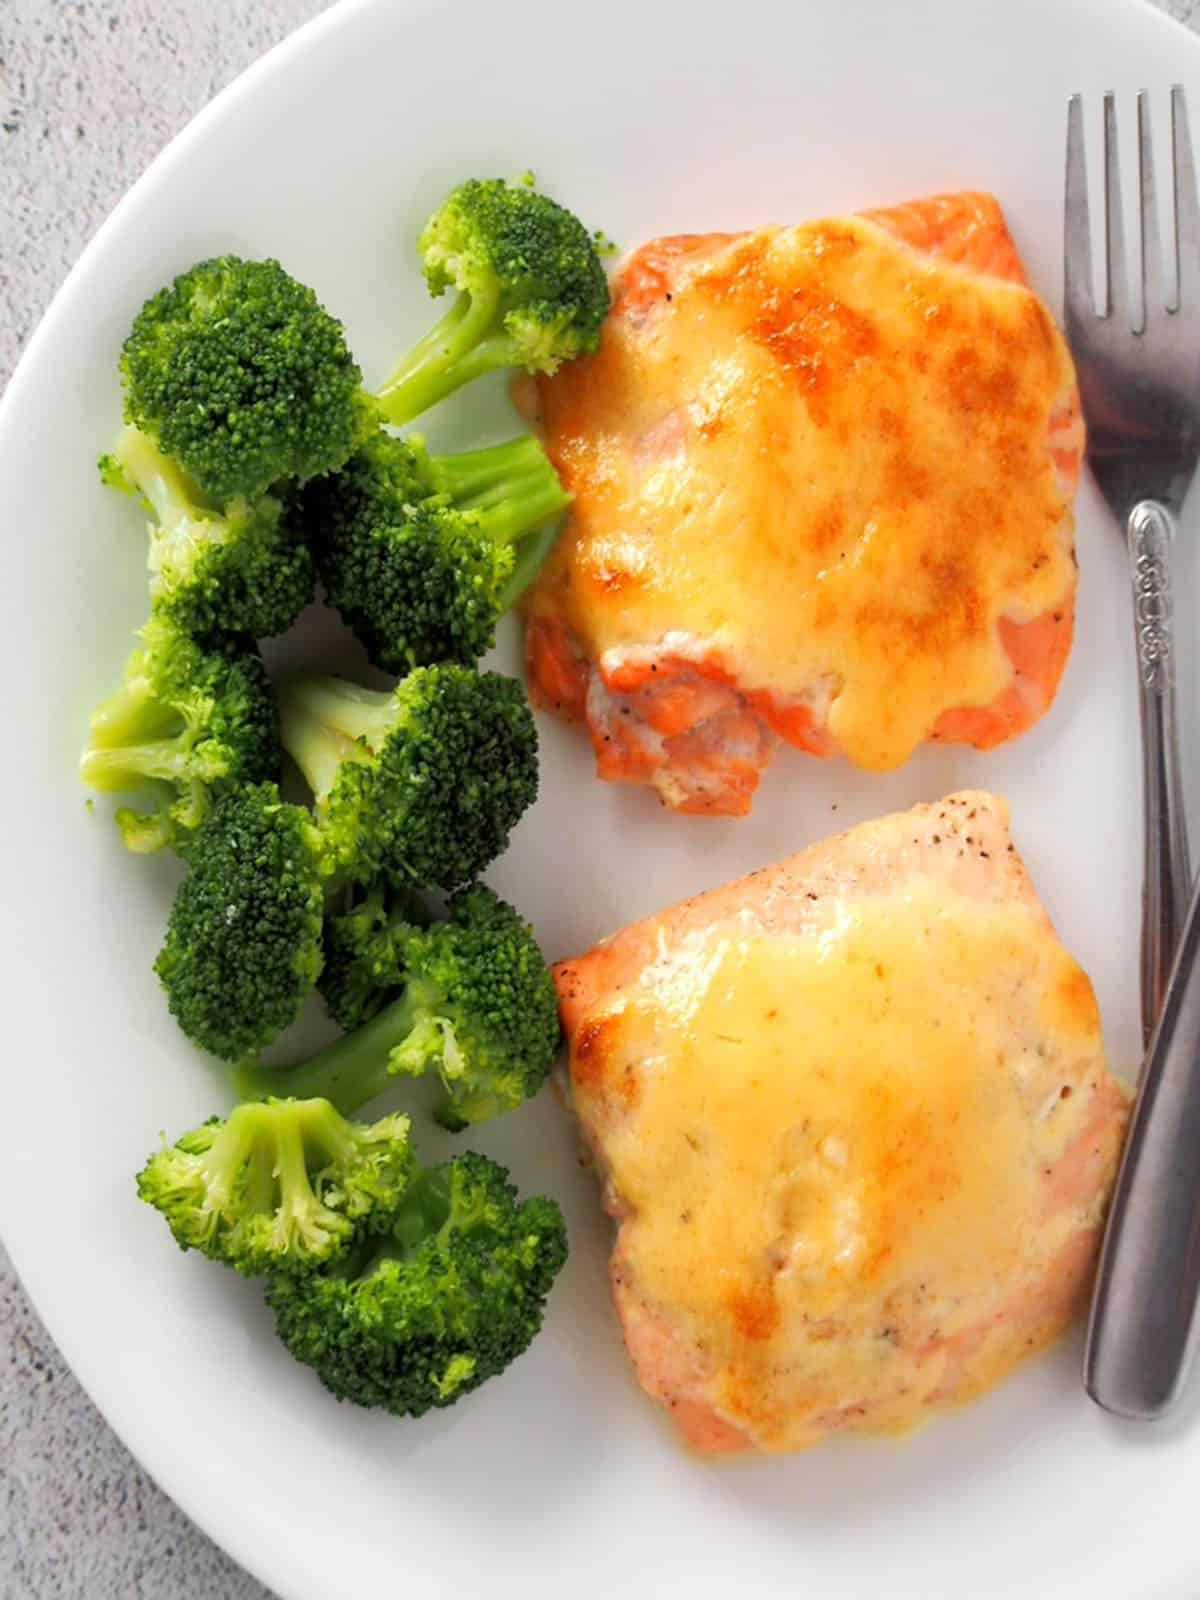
{"x": 191, "y": 721}
{"x": 421, "y": 784}
{"x": 243, "y": 944}
{"x": 239, "y": 570}
{"x": 447, "y": 1299}
{"x": 469, "y": 998}
{"x": 531, "y": 292}
{"x": 286, "y": 1184}
{"x": 239, "y": 374}
{"x": 359, "y": 973}
{"x": 422, "y": 554}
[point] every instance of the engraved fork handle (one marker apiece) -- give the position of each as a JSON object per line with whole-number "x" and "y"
{"x": 1140, "y": 1331}
{"x": 1140, "y": 1334}
{"x": 1166, "y": 878}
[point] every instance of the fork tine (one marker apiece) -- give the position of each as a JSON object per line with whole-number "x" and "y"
{"x": 1187, "y": 207}
{"x": 1154, "y": 290}
{"x": 1077, "y": 230}
{"x": 1116, "y": 278}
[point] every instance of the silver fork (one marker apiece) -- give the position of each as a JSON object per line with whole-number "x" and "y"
{"x": 1138, "y": 363}
{"x": 1139, "y": 378}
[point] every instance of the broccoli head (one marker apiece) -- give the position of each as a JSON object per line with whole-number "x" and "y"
{"x": 243, "y": 944}
{"x": 531, "y": 292}
{"x": 361, "y": 964}
{"x": 469, "y": 998}
{"x": 422, "y": 554}
{"x": 280, "y": 1186}
{"x": 449, "y": 1298}
{"x": 190, "y": 722}
{"x": 240, "y": 570}
{"x": 241, "y": 376}
{"x": 420, "y": 785}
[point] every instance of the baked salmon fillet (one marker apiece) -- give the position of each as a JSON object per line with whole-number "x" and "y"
{"x": 855, "y": 1126}
{"x": 822, "y": 481}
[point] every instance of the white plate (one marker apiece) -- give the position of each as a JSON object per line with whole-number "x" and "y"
{"x": 647, "y": 118}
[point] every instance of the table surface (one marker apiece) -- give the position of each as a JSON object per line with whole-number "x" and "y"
{"x": 89, "y": 92}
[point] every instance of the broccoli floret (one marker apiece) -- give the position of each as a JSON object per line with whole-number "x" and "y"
{"x": 191, "y": 721}
{"x": 531, "y": 292}
{"x": 448, "y": 1299}
{"x": 241, "y": 570}
{"x": 420, "y": 785}
{"x": 243, "y": 378}
{"x": 285, "y": 1185}
{"x": 361, "y": 962}
{"x": 422, "y": 554}
{"x": 243, "y": 944}
{"x": 469, "y": 998}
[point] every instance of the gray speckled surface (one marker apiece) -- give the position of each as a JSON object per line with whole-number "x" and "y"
{"x": 89, "y": 91}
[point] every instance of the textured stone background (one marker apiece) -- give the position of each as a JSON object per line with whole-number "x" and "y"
{"x": 89, "y": 91}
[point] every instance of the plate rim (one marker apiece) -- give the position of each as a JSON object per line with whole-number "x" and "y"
{"x": 115, "y": 1400}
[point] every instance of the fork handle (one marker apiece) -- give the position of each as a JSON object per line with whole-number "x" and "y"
{"x": 1140, "y": 1333}
{"x": 1166, "y": 876}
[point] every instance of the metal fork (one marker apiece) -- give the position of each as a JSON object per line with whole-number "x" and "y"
{"x": 1138, "y": 364}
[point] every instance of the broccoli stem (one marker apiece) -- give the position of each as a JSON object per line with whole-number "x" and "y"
{"x": 524, "y": 504}
{"x": 343, "y": 709}
{"x": 349, "y": 1072}
{"x": 135, "y": 738}
{"x": 165, "y": 488}
{"x": 470, "y": 473}
{"x": 462, "y": 345}
{"x": 112, "y": 771}
{"x": 531, "y": 557}
{"x": 273, "y": 1150}
{"x": 427, "y": 1209}
{"x": 133, "y": 715}
{"x": 322, "y": 720}
{"x": 262, "y": 1162}
{"x": 515, "y": 490}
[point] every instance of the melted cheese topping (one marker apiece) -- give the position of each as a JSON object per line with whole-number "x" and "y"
{"x": 826, "y": 462}
{"x": 842, "y": 1158}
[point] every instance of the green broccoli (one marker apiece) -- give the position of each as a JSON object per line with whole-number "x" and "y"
{"x": 469, "y": 998}
{"x": 243, "y": 943}
{"x": 191, "y": 721}
{"x": 241, "y": 570}
{"x": 239, "y": 374}
{"x": 449, "y": 1298}
{"x": 421, "y": 784}
{"x": 531, "y": 292}
{"x": 422, "y": 554}
{"x": 359, "y": 973}
{"x": 282, "y": 1185}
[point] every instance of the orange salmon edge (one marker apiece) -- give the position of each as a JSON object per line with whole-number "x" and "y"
{"x": 968, "y": 227}
{"x": 557, "y": 677}
{"x": 620, "y": 759}
{"x": 703, "y": 1430}
{"x": 626, "y": 677}
{"x": 796, "y": 724}
{"x": 734, "y": 800}
{"x": 646, "y": 275}
{"x": 1038, "y": 651}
